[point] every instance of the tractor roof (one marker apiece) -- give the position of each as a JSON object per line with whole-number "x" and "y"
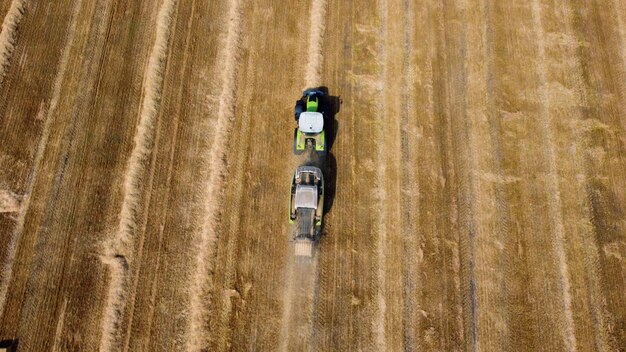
{"x": 311, "y": 122}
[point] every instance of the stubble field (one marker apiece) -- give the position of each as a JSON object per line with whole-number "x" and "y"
{"x": 478, "y": 175}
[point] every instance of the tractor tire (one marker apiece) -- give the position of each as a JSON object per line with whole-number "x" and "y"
{"x": 295, "y": 143}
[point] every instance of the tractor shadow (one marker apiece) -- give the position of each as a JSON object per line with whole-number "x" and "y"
{"x": 331, "y": 108}
{"x": 330, "y": 170}
{"x": 331, "y": 126}
{"x": 9, "y": 345}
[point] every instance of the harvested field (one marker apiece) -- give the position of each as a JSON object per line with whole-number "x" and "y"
{"x": 476, "y": 180}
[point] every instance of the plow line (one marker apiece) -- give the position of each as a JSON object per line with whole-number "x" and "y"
{"x": 207, "y": 238}
{"x": 118, "y": 251}
{"x": 8, "y": 35}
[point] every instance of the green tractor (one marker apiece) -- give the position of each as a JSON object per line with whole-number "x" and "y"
{"x": 309, "y": 113}
{"x": 306, "y": 208}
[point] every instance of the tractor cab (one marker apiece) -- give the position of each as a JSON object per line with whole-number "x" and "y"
{"x": 309, "y": 113}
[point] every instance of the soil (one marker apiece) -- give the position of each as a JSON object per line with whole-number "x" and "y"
{"x": 477, "y": 170}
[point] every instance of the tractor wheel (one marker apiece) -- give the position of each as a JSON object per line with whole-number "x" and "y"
{"x": 295, "y": 143}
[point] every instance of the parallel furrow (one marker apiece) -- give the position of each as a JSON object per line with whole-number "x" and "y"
{"x": 213, "y": 189}
{"x": 118, "y": 251}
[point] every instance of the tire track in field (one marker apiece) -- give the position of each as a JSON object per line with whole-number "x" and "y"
{"x": 602, "y": 76}
{"x": 554, "y": 201}
{"x": 8, "y": 34}
{"x": 621, "y": 30}
{"x": 216, "y": 163}
{"x": 462, "y": 140}
{"x": 503, "y": 230}
{"x": 237, "y": 172}
{"x": 148, "y": 186}
{"x": 378, "y": 321}
{"x": 316, "y": 36}
{"x": 326, "y": 302}
{"x": 320, "y": 308}
{"x": 452, "y": 179}
{"x": 581, "y": 141}
{"x": 7, "y": 270}
{"x": 394, "y": 242}
{"x": 409, "y": 193}
{"x": 439, "y": 190}
{"x": 118, "y": 254}
{"x": 490, "y": 180}
{"x": 171, "y": 165}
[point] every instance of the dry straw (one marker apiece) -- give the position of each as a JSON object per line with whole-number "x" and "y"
{"x": 118, "y": 251}
{"x": 318, "y": 25}
{"x": 229, "y": 57}
{"x": 9, "y": 201}
{"x": 8, "y": 35}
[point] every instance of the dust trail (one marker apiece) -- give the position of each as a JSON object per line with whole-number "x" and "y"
{"x": 8, "y": 35}
{"x": 212, "y": 190}
{"x": 7, "y": 270}
{"x": 9, "y": 201}
{"x": 316, "y": 35}
{"x": 298, "y": 303}
{"x": 378, "y": 322}
{"x": 118, "y": 250}
{"x": 554, "y": 203}
{"x": 287, "y": 304}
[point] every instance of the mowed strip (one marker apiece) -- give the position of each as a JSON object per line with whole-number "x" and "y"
{"x": 158, "y": 312}
{"x": 299, "y": 296}
{"x": 391, "y": 160}
{"x": 598, "y": 34}
{"x": 332, "y": 320}
{"x": 248, "y": 287}
{"x": 212, "y": 188}
{"x": 591, "y": 323}
{"x": 120, "y": 249}
{"x": 434, "y": 308}
{"x": 88, "y": 146}
{"x": 531, "y": 116}
{"x": 490, "y": 331}
{"x": 465, "y": 84}
{"x": 23, "y": 107}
